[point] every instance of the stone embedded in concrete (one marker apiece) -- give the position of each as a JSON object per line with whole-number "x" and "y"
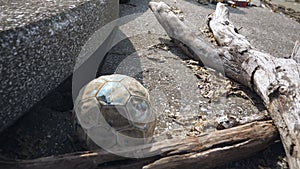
{"x": 39, "y": 43}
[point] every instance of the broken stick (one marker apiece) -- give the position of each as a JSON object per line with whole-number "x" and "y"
{"x": 275, "y": 80}
{"x": 205, "y": 151}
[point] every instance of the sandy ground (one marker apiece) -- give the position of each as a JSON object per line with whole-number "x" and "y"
{"x": 288, "y": 4}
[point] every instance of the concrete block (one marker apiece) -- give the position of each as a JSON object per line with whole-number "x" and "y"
{"x": 39, "y": 43}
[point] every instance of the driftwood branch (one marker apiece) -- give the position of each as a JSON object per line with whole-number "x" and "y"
{"x": 275, "y": 80}
{"x": 177, "y": 30}
{"x": 296, "y": 52}
{"x": 207, "y": 150}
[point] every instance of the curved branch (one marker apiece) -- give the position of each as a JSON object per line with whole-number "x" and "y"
{"x": 275, "y": 80}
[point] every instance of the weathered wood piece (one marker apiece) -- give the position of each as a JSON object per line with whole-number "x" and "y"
{"x": 207, "y": 150}
{"x": 275, "y": 80}
{"x": 296, "y": 52}
{"x": 177, "y": 30}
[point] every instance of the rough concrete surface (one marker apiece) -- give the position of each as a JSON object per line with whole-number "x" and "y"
{"x": 39, "y": 42}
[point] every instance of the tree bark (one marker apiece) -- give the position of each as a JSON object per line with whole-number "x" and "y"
{"x": 275, "y": 80}
{"x": 207, "y": 150}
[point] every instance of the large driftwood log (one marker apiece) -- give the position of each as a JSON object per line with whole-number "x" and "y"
{"x": 207, "y": 150}
{"x": 275, "y": 80}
